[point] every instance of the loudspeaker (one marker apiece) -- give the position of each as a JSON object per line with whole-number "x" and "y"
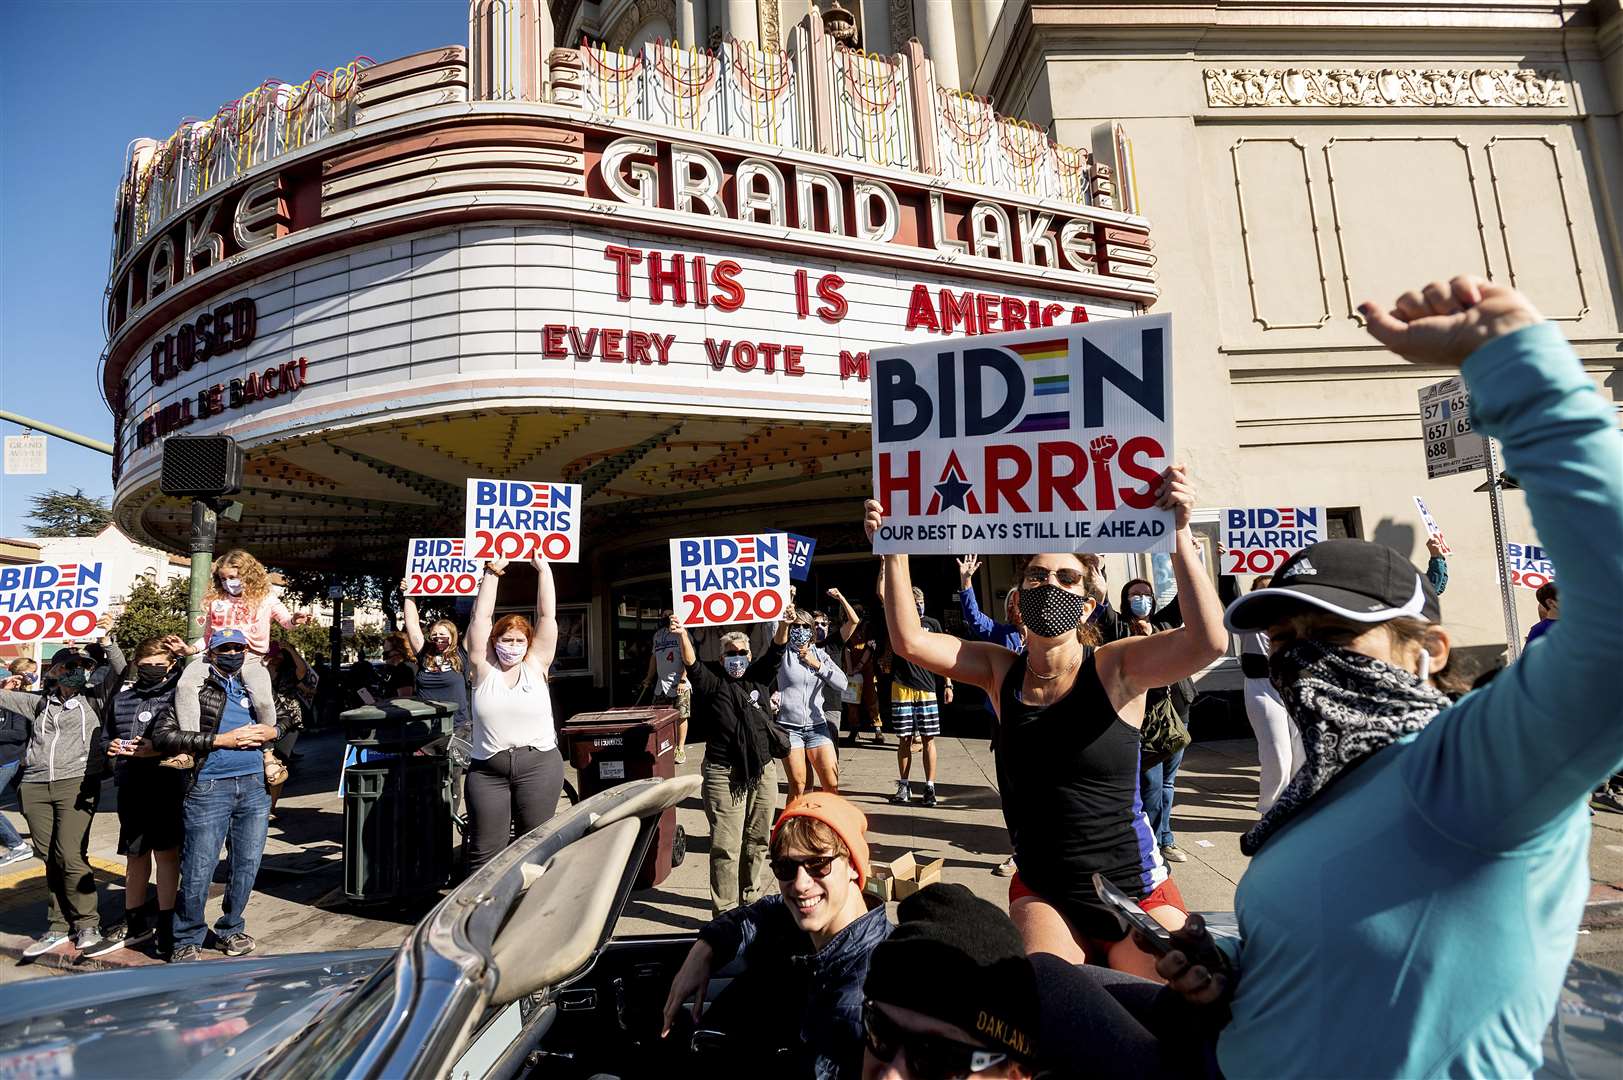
{"x": 201, "y": 466}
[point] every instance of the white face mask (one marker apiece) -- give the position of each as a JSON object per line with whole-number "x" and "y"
{"x": 232, "y": 586}
{"x": 510, "y": 654}
{"x": 736, "y": 665}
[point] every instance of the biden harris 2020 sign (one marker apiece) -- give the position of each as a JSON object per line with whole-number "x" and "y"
{"x": 1043, "y": 440}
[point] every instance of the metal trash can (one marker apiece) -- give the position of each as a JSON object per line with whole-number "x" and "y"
{"x": 397, "y": 804}
{"x": 630, "y": 743}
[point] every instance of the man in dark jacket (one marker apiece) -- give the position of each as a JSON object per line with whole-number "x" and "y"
{"x": 227, "y": 796}
{"x": 795, "y": 1009}
{"x": 740, "y": 785}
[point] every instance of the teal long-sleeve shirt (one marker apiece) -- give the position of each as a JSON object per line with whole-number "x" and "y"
{"x": 1419, "y": 919}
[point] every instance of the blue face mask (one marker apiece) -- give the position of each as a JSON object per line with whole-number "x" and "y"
{"x": 1139, "y": 605}
{"x": 799, "y": 637}
{"x": 736, "y": 665}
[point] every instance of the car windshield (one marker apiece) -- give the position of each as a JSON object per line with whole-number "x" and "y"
{"x": 175, "y": 1026}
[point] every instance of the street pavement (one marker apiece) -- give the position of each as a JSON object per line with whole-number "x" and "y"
{"x": 298, "y": 904}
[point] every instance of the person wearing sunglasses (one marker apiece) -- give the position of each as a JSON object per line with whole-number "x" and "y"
{"x": 1069, "y": 713}
{"x": 950, "y": 994}
{"x": 740, "y": 786}
{"x": 795, "y": 1009}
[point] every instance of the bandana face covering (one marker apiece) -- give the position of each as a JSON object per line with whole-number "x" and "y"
{"x": 1050, "y": 611}
{"x": 799, "y": 637}
{"x": 1347, "y": 706}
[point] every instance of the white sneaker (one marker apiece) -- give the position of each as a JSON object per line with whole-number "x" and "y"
{"x": 16, "y": 854}
{"x": 903, "y": 795}
{"x": 87, "y": 939}
{"x": 681, "y": 755}
{"x": 44, "y": 944}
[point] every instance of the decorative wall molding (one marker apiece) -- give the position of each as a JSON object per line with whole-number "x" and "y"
{"x": 771, "y": 27}
{"x": 1502, "y": 198}
{"x": 901, "y": 24}
{"x": 1364, "y": 88}
{"x": 1335, "y": 206}
{"x": 1245, "y": 238}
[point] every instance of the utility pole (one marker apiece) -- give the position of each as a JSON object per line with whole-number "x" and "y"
{"x": 61, "y": 433}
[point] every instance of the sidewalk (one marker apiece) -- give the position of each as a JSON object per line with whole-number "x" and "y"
{"x": 298, "y": 903}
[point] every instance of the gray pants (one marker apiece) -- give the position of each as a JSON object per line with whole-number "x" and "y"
{"x": 255, "y": 676}
{"x": 740, "y": 829}
{"x": 521, "y": 786}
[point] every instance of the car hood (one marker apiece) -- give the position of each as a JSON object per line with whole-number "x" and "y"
{"x": 216, "y": 1018}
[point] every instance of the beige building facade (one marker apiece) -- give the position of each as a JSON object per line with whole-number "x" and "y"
{"x": 1295, "y": 159}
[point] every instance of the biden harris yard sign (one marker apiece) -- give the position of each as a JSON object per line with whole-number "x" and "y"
{"x": 44, "y": 602}
{"x": 1042, "y": 440}
{"x": 507, "y": 519}
{"x": 436, "y": 566}
{"x": 717, "y": 580}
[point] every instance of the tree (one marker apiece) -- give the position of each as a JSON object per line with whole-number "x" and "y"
{"x": 62, "y": 513}
{"x": 312, "y": 639}
{"x": 152, "y": 610}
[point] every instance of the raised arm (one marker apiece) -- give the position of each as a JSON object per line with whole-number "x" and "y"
{"x": 1523, "y": 753}
{"x": 704, "y": 680}
{"x": 1138, "y": 664}
{"x": 974, "y": 662}
{"x": 544, "y": 645}
{"x": 414, "y": 626}
{"x": 849, "y": 626}
{"x": 484, "y": 608}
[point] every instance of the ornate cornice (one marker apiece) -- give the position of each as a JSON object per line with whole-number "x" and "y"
{"x": 1456, "y": 88}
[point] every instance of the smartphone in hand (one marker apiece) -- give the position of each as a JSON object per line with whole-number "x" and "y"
{"x": 1132, "y": 917}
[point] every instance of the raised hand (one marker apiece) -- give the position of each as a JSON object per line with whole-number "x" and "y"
{"x": 966, "y": 570}
{"x": 873, "y": 516}
{"x": 1176, "y": 495}
{"x": 1443, "y": 323}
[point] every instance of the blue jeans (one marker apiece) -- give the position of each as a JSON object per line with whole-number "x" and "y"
{"x": 9, "y": 837}
{"x": 238, "y": 806}
{"x": 1155, "y": 788}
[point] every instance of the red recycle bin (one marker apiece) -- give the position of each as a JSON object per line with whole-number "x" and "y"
{"x": 630, "y": 743}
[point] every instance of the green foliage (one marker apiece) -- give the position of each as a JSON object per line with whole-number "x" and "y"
{"x": 366, "y": 641}
{"x": 152, "y": 610}
{"x": 312, "y": 639}
{"x": 64, "y": 513}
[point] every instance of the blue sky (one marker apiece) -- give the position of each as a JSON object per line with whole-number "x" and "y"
{"x": 80, "y": 80}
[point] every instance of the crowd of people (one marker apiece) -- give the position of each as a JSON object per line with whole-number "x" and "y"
{"x": 1437, "y": 824}
{"x": 1418, "y": 858}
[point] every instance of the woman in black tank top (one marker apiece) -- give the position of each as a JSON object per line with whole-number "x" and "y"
{"x": 1069, "y": 715}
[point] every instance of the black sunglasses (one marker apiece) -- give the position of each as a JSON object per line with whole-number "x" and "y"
{"x": 784, "y": 868}
{"x": 736, "y": 652}
{"x": 929, "y": 1057}
{"x": 1038, "y": 575}
{"x": 229, "y": 650}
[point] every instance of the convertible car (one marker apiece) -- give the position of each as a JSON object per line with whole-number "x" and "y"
{"x": 516, "y": 973}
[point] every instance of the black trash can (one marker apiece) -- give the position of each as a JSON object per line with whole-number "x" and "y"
{"x": 397, "y": 806}
{"x": 630, "y": 743}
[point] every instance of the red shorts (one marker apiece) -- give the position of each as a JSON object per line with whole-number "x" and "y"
{"x": 1093, "y": 924}
{"x": 1166, "y": 894}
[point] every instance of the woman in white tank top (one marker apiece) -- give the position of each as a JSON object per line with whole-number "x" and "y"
{"x": 516, "y": 771}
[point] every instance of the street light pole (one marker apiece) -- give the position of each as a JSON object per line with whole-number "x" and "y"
{"x": 59, "y": 432}
{"x": 1507, "y": 596}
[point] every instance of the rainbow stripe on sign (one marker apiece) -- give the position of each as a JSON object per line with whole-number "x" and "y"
{"x": 1042, "y": 350}
{"x": 1044, "y": 385}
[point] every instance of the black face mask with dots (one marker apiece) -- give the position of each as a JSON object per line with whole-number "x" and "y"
{"x": 1050, "y": 611}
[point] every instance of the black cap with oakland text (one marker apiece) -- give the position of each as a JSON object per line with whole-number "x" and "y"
{"x": 1355, "y": 579}
{"x": 957, "y": 958}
